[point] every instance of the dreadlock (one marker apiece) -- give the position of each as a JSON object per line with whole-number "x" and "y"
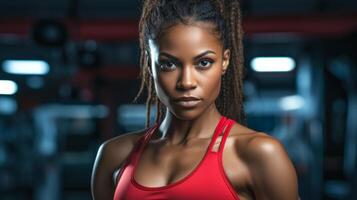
{"x": 225, "y": 15}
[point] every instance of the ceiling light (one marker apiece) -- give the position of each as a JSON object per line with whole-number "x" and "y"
{"x": 273, "y": 64}
{"x": 25, "y": 67}
{"x": 8, "y": 87}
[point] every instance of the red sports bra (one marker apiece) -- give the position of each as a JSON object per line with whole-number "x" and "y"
{"x": 207, "y": 181}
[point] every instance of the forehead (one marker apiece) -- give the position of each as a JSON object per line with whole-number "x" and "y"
{"x": 187, "y": 38}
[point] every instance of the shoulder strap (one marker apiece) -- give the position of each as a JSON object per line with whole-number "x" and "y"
{"x": 230, "y": 124}
{"x": 140, "y": 145}
{"x": 133, "y": 155}
{"x": 217, "y": 132}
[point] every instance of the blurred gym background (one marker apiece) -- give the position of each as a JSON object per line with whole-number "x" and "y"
{"x": 69, "y": 72}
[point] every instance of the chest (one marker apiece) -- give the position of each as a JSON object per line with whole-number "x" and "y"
{"x": 160, "y": 166}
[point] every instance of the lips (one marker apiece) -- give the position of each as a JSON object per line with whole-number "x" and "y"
{"x": 187, "y": 101}
{"x": 187, "y": 98}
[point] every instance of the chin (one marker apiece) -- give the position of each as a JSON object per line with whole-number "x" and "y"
{"x": 186, "y": 114}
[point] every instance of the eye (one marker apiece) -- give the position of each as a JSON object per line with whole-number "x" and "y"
{"x": 205, "y": 63}
{"x": 167, "y": 65}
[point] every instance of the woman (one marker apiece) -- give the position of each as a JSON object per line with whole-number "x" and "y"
{"x": 192, "y": 64}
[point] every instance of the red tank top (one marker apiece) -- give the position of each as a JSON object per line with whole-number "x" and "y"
{"x": 207, "y": 181}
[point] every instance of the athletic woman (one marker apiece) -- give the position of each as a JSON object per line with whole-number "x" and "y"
{"x": 198, "y": 147}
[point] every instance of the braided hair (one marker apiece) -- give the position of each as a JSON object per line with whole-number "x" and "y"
{"x": 225, "y": 15}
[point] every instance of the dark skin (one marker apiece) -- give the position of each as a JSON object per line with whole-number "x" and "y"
{"x": 190, "y": 60}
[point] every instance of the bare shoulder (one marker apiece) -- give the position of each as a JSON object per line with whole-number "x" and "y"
{"x": 261, "y": 146}
{"x": 115, "y": 150}
{"x": 270, "y": 169}
{"x": 255, "y": 146}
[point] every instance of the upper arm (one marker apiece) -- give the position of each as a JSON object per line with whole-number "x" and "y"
{"x": 101, "y": 184}
{"x": 110, "y": 156}
{"x": 272, "y": 172}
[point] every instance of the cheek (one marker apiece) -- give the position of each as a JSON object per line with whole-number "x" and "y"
{"x": 164, "y": 83}
{"x": 211, "y": 84}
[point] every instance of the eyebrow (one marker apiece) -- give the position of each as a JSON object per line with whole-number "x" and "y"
{"x": 195, "y": 58}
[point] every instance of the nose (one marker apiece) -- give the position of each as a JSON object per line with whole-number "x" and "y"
{"x": 187, "y": 79}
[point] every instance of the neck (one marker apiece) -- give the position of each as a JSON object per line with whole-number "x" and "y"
{"x": 179, "y": 131}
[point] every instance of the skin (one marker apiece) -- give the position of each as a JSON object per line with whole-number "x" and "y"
{"x": 256, "y": 164}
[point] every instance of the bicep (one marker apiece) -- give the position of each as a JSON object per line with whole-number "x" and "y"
{"x": 273, "y": 173}
{"x": 101, "y": 183}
